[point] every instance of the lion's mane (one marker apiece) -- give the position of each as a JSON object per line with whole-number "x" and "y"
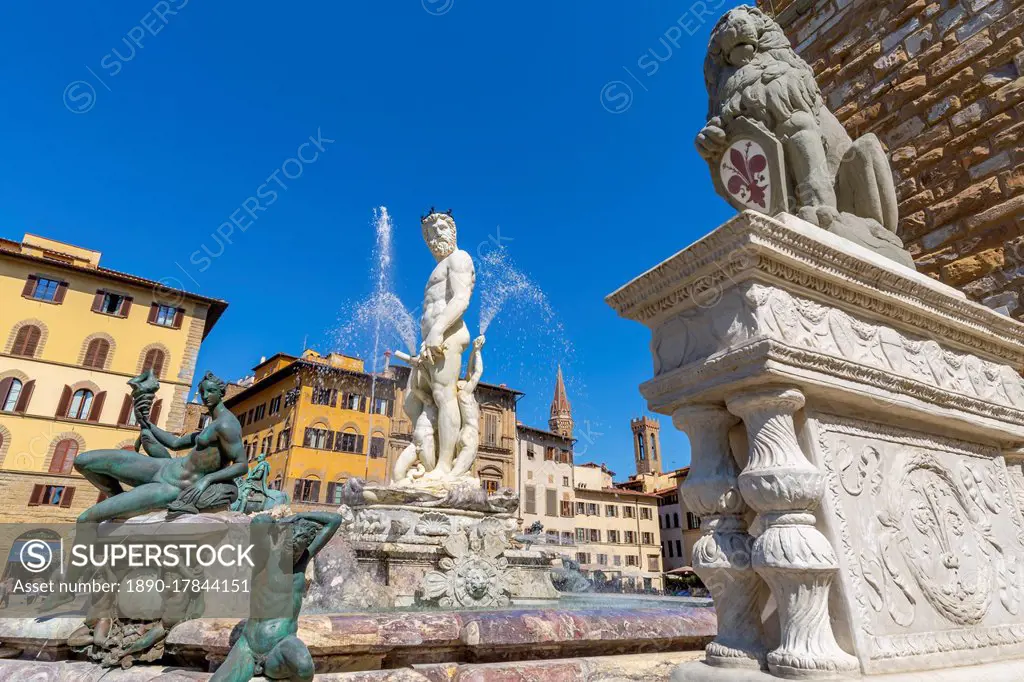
{"x": 774, "y": 85}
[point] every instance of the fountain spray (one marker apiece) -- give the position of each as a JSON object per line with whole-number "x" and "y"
{"x": 382, "y": 225}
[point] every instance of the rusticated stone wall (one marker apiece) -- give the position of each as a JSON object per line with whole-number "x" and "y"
{"x": 940, "y": 83}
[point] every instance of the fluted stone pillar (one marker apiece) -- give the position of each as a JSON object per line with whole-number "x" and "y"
{"x": 722, "y": 555}
{"x": 794, "y": 558}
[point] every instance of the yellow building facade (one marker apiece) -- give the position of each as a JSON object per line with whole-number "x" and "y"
{"x": 72, "y": 334}
{"x": 320, "y": 419}
{"x": 618, "y": 535}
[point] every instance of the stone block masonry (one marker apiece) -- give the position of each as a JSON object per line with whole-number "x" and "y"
{"x": 941, "y": 83}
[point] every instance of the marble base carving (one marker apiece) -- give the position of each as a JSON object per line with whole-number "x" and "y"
{"x": 447, "y": 557}
{"x": 873, "y": 419}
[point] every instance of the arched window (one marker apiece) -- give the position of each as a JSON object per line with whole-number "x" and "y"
{"x": 640, "y": 446}
{"x": 654, "y": 448}
{"x": 27, "y": 341}
{"x": 155, "y": 361}
{"x": 96, "y": 353}
{"x": 10, "y": 400}
{"x": 64, "y": 456}
{"x": 81, "y": 404}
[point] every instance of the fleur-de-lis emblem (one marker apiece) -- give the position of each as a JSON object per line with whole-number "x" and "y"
{"x": 744, "y": 173}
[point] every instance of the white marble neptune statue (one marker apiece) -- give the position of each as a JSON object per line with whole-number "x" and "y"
{"x": 441, "y": 406}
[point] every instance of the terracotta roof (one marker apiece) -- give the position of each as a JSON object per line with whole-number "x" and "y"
{"x": 291, "y": 369}
{"x": 622, "y": 491}
{"x": 520, "y": 425}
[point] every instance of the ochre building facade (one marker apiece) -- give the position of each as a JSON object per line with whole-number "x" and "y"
{"x": 320, "y": 419}
{"x": 73, "y": 333}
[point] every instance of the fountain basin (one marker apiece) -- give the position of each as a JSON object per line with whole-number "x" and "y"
{"x": 398, "y": 640}
{"x": 346, "y": 642}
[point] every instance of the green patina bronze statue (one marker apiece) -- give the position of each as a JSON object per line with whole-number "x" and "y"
{"x": 253, "y": 493}
{"x": 159, "y": 481}
{"x": 202, "y": 479}
{"x": 268, "y": 644}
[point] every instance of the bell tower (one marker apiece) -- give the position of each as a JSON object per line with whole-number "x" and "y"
{"x": 561, "y": 411}
{"x": 646, "y": 445}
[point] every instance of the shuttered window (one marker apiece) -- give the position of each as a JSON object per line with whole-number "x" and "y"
{"x": 349, "y": 442}
{"x": 27, "y": 341}
{"x": 324, "y": 396}
{"x": 64, "y": 456}
{"x": 334, "y": 491}
{"x": 45, "y": 289}
{"x": 10, "y": 392}
{"x": 81, "y": 404}
{"x": 166, "y": 316}
{"x": 316, "y": 438}
{"x": 154, "y": 360}
{"x": 96, "y": 353}
{"x": 551, "y": 502}
{"x": 107, "y": 303}
{"x": 530, "y": 500}
{"x": 307, "y": 490}
{"x": 491, "y": 429}
{"x": 52, "y": 495}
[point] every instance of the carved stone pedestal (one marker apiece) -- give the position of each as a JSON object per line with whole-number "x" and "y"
{"x": 883, "y": 416}
{"x": 447, "y": 557}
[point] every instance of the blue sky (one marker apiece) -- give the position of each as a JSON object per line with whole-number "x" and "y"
{"x": 567, "y": 128}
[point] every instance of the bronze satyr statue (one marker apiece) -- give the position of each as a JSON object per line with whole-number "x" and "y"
{"x": 268, "y": 644}
{"x": 253, "y": 493}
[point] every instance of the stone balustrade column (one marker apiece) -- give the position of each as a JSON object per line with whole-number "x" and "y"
{"x": 794, "y": 558}
{"x": 722, "y": 555}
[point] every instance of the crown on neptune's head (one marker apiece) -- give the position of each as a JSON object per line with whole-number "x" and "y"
{"x": 433, "y": 212}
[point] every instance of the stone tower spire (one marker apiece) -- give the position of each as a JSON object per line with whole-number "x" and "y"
{"x": 646, "y": 445}
{"x": 561, "y": 411}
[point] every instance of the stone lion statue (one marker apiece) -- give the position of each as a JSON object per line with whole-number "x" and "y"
{"x": 842, "y": 185}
